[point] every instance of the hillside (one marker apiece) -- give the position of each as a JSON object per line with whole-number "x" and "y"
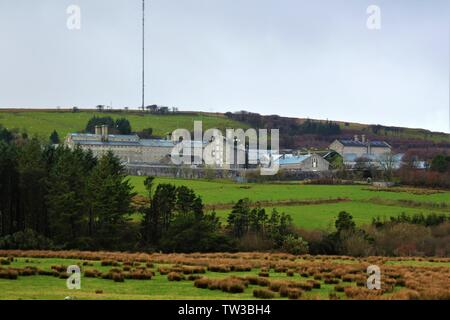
{"x": 298, "y": 133}
{"x": 43, "y": 122}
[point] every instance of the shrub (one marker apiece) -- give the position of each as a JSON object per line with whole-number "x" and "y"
{"x": 175, "y": 276}
{"x": 140, "y": 275}
{"x": 214, "y": 284}
{"x": 295, "y": 245}
{"x": 331, "y": 281}
{"x": 305, "y": 286}
{"x": 241, "y": 268}
{"x": 284, "y": 291}
{"x": 45, "y": 272}
{"x": 106, "y": 263}
{"x": 106, "y": 275}
{"x": 59, "y": 268}
{"x": 252, "y": 279}
{"x": 232, "y": 285}
{"x": 339, "y": 288}
{"x": 263, "y": 282}
{"x": 315, "y": 284}
{"x": 26, "y": 240}
{"x": 27, "y": 271}
{"x": 406, "y": 294}
{"x": 98, "y": 291}
{"x": 13, "y": 275}
{"x": 361, "y": 293}
{"x": 91, "y": 273}
{"x": 333, "y": 296}
{"x": 281, "y": 269}
{"x": 290, "y": 273}
{"x": 348, "y": 278}
{"x": 264, "y": 274}
{"x": 4, "y": 262}
{"x": 400, "y": 282}
{"x": 277, "y": 284}
{"x": 118, "y": 277}
{"x": 293, "y": 293}
{"x": 263, "y": 294}
{"x": 163, "y": 271}
{"x": 9, "y": 274}
{"x": 202, "y": 283}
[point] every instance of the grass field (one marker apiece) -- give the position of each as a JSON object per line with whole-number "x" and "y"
{"x": 282, "y": 269}
{"x": 42, "y": 123}
{"x": 361, "y": 202}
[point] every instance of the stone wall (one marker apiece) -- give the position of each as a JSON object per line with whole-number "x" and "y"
{"x": 239, "y": 175}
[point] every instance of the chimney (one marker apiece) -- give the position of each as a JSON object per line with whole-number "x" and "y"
{"x": 356, "y": 137}
{"x": 104, "y": 133}
{"x": 369, "y": 148}
{"x": 98, "y": 130}
{"x": 363, "y": 138}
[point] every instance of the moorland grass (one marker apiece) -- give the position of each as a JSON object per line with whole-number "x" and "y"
{"x": 403, "y": 280}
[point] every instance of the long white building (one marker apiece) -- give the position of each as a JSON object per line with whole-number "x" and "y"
{"x": 129, "y": 148}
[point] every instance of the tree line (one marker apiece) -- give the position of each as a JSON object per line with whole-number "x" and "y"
{"x": 293, "y": 133}
{"x": 118, "y": 126}
{"x": 66, "y": 196}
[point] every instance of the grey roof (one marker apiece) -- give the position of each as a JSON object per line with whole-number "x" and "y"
{"x": 157, "y": 143}
{"x": 353, "y": 143}
{"x": 107, "y": 143}
{"x": 381, "y": 144}
{"x": 293, "y": 160}
{"x": 111, "y": 136}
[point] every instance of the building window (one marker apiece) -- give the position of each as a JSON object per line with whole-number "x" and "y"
{"x": 314, "y": 163}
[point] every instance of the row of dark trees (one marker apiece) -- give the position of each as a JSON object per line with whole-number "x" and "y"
{"x": 64, "y": 195}
{"x": 290, "y": 126}
{"x": 121, "y": 125}
{"x": 118, "y": 126}
{"x": 293, "y": 133}
{"x": 175, "y": 220}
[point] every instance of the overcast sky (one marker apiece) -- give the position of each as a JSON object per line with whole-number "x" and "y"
{"x": 298, "y": 58}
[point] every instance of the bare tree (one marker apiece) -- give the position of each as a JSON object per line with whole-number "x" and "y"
{"x": 387, "y": 164}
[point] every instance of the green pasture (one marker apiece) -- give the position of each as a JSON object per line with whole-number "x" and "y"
{"x": 324, "y": 216}
{"x": 362, "y": 203}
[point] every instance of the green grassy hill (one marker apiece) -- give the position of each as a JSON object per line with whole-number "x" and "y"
{"x": 42, "y": 123}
